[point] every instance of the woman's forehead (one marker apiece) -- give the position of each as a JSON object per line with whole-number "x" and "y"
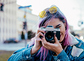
{"x": 53, "y": 22}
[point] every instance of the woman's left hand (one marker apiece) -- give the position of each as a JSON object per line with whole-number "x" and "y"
{"x": 55, "y": 47}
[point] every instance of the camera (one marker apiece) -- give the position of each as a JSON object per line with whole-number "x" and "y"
{"x": 50, "y": 32}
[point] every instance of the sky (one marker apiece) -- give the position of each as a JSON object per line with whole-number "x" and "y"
{"x": 72, "y": 9}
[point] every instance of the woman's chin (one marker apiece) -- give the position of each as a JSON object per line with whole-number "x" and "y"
{"x": 61, "y": 39}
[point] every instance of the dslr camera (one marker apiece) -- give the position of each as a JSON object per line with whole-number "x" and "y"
{"x": 50, "y": 32}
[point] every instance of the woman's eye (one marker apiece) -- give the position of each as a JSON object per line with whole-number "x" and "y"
{"x": 58, "y": 26}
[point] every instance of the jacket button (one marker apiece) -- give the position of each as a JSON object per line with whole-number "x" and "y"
{"x": 58, "y": 60}
{"x": 27, "y": 57}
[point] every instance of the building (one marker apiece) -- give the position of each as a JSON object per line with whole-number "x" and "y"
{"x": 81, "y": 33}
{"x": 8, "y": 21}
{"x": 31, "y": 19}
{"x": 25, "y": 14}
{"x": 12, "y": 18}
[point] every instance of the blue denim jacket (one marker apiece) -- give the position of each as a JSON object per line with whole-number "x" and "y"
{"x": 73, "y": 52}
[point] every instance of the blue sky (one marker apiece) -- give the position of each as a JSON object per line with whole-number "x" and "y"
{"x": 71, "y": 8}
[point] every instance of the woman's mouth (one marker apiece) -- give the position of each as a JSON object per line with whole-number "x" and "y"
{"x": 60, "y": 35}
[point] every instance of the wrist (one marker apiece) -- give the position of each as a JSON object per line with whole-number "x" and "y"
{"x": 59, "y": 51}
{"x": 34, "y": 50}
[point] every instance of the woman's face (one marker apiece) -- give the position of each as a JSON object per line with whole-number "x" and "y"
{"x": 56, "y": 23}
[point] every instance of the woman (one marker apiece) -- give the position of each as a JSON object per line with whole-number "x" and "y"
{"x": 68, "y": 48}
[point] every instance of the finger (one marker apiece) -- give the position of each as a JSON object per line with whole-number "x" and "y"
{"x": 40, "y": 34}
{"x": 38, "y": 39}
{"x": 43, "y": 40}
{"x": 40, "y": 30}
{"x": 43, "y": 26}
{"x": 45, "y": 43}
{"x": 56, "y": 40}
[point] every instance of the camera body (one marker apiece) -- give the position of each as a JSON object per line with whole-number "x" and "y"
{"x": 50, "y": 32}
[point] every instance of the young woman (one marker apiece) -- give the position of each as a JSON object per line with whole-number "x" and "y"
{"x": 68, "y": 48}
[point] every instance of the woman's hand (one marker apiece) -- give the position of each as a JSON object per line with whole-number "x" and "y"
{"x": 55, "y": 47}
{"x": 38, "y": 40}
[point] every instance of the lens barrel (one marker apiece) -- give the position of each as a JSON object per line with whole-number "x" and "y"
{"x": 49, "y": 36}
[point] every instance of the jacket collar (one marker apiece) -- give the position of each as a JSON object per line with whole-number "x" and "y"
{"x": 73, "y": 40}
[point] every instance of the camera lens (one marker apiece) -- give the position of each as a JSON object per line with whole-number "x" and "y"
{"x": 49, "y": 36}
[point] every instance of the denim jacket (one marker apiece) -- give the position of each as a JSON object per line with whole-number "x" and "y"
{"x": 72, "y": 52}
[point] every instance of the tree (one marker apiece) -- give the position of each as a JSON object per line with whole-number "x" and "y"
{"x": 31, "y": 34}
{"x": 22, "y": 35}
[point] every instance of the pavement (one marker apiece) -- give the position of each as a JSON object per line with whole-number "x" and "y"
{"x": 13, "y": 46}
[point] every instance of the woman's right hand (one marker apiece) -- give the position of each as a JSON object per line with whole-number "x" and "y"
{"x": 38, "y": 40}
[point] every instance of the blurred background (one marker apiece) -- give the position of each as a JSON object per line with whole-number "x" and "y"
{"x": 19, "y": 20}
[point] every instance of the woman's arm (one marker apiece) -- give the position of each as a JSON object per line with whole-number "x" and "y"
{"x": 21, "y": 55}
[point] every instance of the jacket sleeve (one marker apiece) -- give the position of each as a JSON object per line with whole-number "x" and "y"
{"x": 61, "y": 57}
{"x": 21, "y": 55}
